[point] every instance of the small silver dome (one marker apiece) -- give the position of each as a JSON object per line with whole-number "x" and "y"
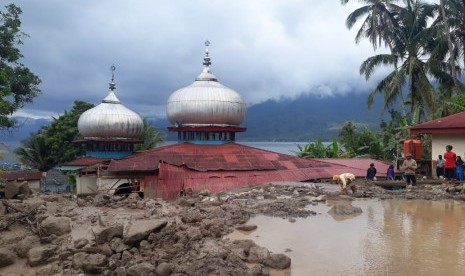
{"x": 110, "y": 119}
{"x": 206, "y": 102}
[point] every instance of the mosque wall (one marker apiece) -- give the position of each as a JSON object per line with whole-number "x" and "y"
{"x": 86, "y": 185}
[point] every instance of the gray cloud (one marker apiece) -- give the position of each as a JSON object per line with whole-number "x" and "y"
{"x": 263, "y": 49}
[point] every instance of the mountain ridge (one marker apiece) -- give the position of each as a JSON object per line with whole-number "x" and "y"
{"x": 305, "y": 118}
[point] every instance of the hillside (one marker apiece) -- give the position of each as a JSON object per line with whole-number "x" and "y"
{"x": 303, "y": 119}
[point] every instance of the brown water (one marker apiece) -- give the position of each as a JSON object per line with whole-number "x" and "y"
{"x": 390, "y": 237}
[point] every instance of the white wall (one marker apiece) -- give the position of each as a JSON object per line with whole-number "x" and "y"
{"x": 439, "y": 142}
{"x": 86, "y": 184}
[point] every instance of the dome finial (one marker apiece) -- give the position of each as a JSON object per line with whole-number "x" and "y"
{"x": 206, "y": 59}
{"x": 112, "y": 82}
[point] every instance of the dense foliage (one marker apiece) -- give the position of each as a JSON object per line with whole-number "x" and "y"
{"x": 53, "y": 144}
{"x": 150, "y": 136}
{"x": 425, "y": 45}
{"x": 18, "y": 85}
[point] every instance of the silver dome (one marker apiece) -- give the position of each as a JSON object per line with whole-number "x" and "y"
{"x": 110, "y": 119}
{"x": 206, "y": 102}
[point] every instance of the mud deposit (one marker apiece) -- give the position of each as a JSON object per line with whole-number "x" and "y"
{"x": 60, "y": 234}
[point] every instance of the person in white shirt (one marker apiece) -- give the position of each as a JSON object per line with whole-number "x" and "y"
{"x": 345, "y": 179}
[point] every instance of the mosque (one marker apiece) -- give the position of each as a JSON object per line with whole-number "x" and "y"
{"x": 206, "y": 116}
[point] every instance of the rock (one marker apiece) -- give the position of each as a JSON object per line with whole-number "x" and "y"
{"x": 126, "y": 256}
{"x": 107, "y": 234}
{"x": 7, "y": 257}
{"x": 247, "y": 227}
{"x": 101, "y": 199}
{"x": 120, "y": 271}
{"x": 141, "y": 229}
{"x": 23, "y": 246}
{"x": 91, "y": 263}
{"x": 204, "y": 193}
{"x": 344, "y": 210}
{"x": 267, "y": 196}
{"x": 117, "y": 245}
{"x": 278, "y": 261}
{"x": 56, "y": 225}
{"x": 191, "y": 217}
{"x": 163, "y": 269}
{"x": 47, "y": 270}
{"x": 40, "y": 255}
{"x": 80, "y": 243}
{"x": 105, "y": 249}
{"x": 258, "y": 254}
{"x": 140, "y": 269}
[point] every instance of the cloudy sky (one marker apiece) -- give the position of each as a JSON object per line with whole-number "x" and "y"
{"x": 262, "y": 48}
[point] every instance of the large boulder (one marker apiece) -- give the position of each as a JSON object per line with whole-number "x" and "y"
{"x": 258, "y": 254}
{"x": 90, "y": 263}
{"x": 107, "y": 234}
{"x": 7, "y": 257}
{"x": 23, "y": 246}
{"x": 140, "y": 230}
{"x": 163, "y": 269}
{"x": 56, "y": 225}
{"x": 40, "y": 255}
{"x": 278, "y": 261}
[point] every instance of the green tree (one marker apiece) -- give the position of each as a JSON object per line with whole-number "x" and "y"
{"x": 52, "y": 145}
{"x": 18, "y": 85}
{"x": 36, "y": 153}
{"x": 63, "y": 130}
{"x": 151, "y": 137}
{"x": 347, "y": 137}
{"x": 318, "y": 149}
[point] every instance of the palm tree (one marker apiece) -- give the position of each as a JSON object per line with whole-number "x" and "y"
{"x": 378, "y": 22}
{"x": 35, "y": 152}
{"x": 408, "y": 57}
{"x": 151, "y": 137}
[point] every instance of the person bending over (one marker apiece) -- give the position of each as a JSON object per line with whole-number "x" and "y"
{"x": 345, "y": 180}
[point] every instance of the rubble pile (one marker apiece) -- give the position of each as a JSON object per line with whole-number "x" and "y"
{"x": 61, "y": 234}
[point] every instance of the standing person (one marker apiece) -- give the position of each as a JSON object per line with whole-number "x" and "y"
{"x": 409, "y": 166}
{"x": 440, "y": 167}
{"x": 449, "y": 166}
{"x": 371, "y": 172}
{"x": 390, "y": 173}
{"x": 345, "y": 179}
{"x": 459, "y": 164}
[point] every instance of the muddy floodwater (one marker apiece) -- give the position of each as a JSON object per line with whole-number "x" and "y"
{"x": 390, "y": 237}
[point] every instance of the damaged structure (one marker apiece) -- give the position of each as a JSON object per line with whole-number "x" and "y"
{"x": 206, "y": 116}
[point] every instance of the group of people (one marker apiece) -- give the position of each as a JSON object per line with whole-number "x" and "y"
{"x": 451, "y": 166}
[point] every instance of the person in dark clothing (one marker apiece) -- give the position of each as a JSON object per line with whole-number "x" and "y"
{"x": 390, "y": 173}
{"x": 371, "y": 172}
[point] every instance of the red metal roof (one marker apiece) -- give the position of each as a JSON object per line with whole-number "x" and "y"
{"x": 21, "y": 175}
{"x": 451, "y": 124}
{"x": 85, "y": 161}
{"x": 236, "y": 157}
{"x": 357, "y": 164}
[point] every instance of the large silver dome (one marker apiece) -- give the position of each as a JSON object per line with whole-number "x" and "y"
{"x": 206, "y": 102}
{"x": 110, "y": 119}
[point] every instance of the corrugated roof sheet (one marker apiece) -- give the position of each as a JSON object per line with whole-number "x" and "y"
{"x": 359, "y": 164}
{"x": 450, "y": 124}
{"x": 85, "y": 161}
{"x": 236, "y": 157}
{"x": 21, "y": 175}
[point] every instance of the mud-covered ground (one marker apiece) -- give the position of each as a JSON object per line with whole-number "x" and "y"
{"x": 60, "y": 234}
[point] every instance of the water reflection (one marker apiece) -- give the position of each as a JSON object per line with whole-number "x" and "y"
{"x": 390, "y": 237}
